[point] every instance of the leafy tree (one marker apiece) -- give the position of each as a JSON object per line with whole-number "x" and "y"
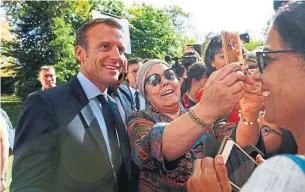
{"x": 153, "y": 34}
{"x": 32, "y": 21}
{"x": 44, "y": 33}
{"x": 252, "y": 45}
{"x": 69, "y": 18}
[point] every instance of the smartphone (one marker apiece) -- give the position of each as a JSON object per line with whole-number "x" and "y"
{"x": 238, "y": 163}
{"x": 231, "y": 46}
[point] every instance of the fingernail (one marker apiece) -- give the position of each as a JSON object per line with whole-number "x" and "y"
{"x": 219, "y": 160}
{"x": 259, "y": 156}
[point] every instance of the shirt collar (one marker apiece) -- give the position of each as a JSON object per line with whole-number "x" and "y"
{"x": 133, "y": 90}
{"x": 89, "y": 88}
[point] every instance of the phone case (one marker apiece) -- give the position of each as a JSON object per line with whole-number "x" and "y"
{"x": 231, "y": 45}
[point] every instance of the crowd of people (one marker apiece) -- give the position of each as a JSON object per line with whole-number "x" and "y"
{"x": 141, "y": 124}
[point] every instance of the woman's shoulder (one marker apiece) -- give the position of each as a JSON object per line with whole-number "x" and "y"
{"x": 139, "y": 115}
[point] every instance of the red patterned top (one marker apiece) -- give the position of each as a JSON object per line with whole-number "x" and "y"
{"x": 145, "y": 129}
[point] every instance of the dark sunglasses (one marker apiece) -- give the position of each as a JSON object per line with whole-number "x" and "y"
{"x": 155, "y": 79}
{"x": 122, "y": 76}
{"x": 266, "y": 130}
{"x": 262, "y": 59}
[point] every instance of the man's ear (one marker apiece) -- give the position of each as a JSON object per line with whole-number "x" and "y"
{"x": 80, "y": 53}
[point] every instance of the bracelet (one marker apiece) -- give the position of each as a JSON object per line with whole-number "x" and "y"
{"x": 245, "y": 121}
{"x": 198, "y": 121}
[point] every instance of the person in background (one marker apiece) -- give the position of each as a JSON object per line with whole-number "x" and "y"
{"x": 277, "y": 140}
{"x": 181, "y": 74}
{"x": 189, "y": 58}
{"x": 214, "y": 57}
{"x": 282, "y": 74}
{"x": 131, "y": 89}
{"x": 122, "y": 101}
{"x": 10, "y": 130}
{"x": 197, "y": 75}
{"x": 4, "y": 152}
{"x": 47, "y": 78}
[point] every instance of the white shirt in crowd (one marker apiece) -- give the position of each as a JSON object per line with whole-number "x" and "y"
{"x": 141, "y": 98}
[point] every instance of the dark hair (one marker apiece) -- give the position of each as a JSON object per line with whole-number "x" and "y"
{"x": 81, "y": 35}
{"x": 46, "y": 68}
{"x": 278, "y": 3}
{"x": 213, "y": 48}
{"x": 179, "y": 70}
{"x": 196, "y": 71}
{"x": 133, "y": 61}
{"x": 289, "y": 22}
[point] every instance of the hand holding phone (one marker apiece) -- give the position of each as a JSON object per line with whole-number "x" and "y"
{"x": 238, "y": 163}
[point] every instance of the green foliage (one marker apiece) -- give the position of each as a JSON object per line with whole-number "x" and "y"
{"x": 153, "y": 33}
{"x": 64, "y": 26}
{"x": 114, "y": 7}
{"x": 45, "y": 33}
{"x": 7, "y": 85}
{"x": 11, "y": 104}
{"x": 252, "y": 45}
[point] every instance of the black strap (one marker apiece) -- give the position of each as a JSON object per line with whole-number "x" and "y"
{"x": 137, "y": 100}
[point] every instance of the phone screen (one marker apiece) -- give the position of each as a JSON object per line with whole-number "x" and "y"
{"x": 239, "y": 166}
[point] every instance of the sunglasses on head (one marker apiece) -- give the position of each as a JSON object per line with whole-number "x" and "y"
{"x": 122, "y": 76}
{"x": 262, "y": 59}
{"x": 155, "y": 79}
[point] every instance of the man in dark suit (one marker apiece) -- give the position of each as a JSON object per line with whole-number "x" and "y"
{"x": 131, "y": 90}
{"x": 124, "y": 103}
{"x": 47, "y": 78}
{"x": 72, "y": 137}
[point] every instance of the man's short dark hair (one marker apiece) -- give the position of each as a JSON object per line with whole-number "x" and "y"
{"x": 81, "y": 34}
{"x": 46, "y": 68}
{"x": 133, "y": 61}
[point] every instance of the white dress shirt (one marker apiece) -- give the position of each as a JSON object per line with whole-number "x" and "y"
{"x": 141, "y": 98}
{"x": 91, "y": 92}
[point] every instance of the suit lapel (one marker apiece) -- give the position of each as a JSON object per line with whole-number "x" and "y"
{"x": 87, "y": 116}
{"x": 123, "y": 136}
{"x": 123, "y": 103}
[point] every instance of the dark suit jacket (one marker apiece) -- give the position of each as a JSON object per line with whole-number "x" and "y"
{"x": 59, "y": 145}
{"x": 124, "y": 88}
{"x": 126, "y": 105}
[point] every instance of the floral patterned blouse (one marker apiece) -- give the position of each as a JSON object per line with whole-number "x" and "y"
{"x": 145, "y": 129}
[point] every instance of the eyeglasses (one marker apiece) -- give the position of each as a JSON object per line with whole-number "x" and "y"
{"x": 155, "y": 79}
{"x": 122, "y": 76}
{"x": 262, "y": 59}
{"x": 266, "y": 130}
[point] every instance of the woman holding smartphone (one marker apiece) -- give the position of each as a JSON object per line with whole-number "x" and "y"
{"x": 282, "y": 75}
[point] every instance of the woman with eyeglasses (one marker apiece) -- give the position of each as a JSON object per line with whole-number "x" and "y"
{"x": 165, "y": 139}
{"x": 277, "y": 140}
{"x": 282, "y": 75}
